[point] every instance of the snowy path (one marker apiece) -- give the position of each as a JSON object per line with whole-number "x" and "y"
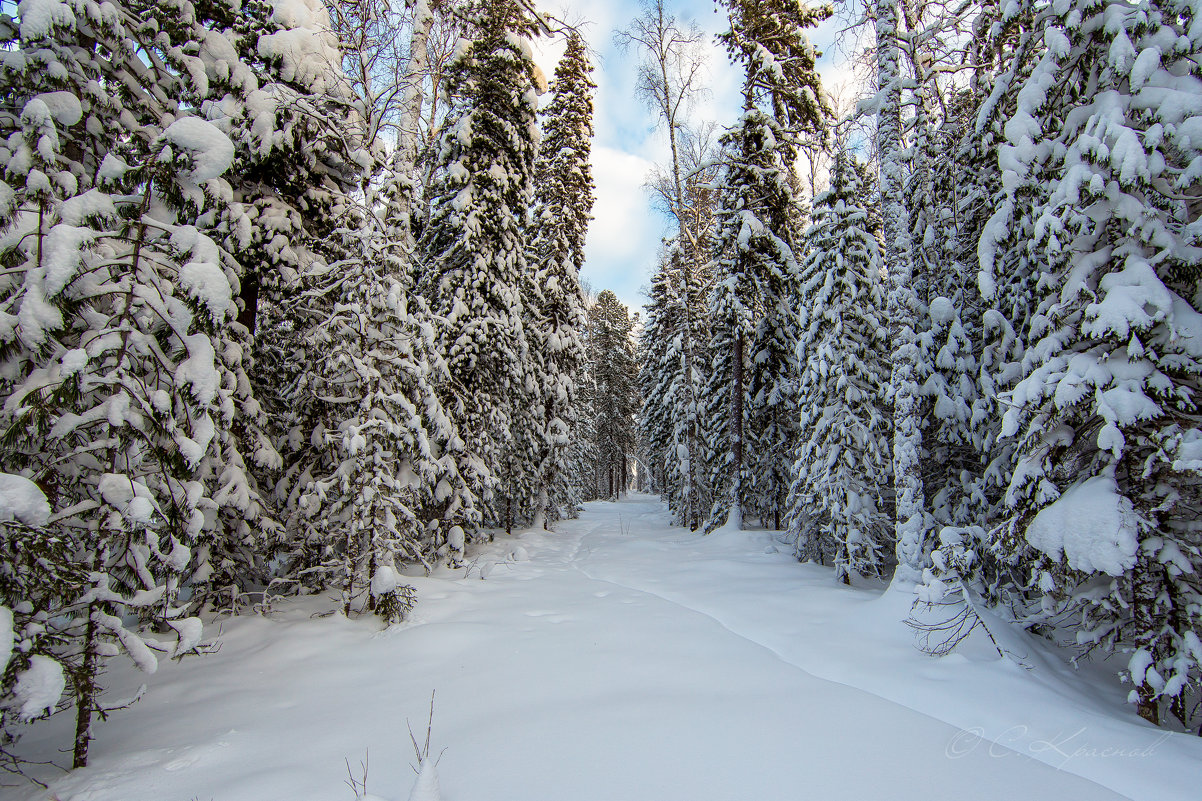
{"x": 621, "y": 661}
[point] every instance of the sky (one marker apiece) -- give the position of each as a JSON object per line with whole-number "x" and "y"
{"x": 625, "y": 235}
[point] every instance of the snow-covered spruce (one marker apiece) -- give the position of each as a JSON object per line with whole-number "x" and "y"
{"x": 1105, "y": 414}
{"x": 300, "y": 145}
{"x": 117, "y": 301}
{"x": 559, "y": 221}
{"x": 395, "y": 458}
{"x": 837, "y": 504}
{"x": 474, "y": 270}
{"x": 902, "y": 305}
{"x": 748, "y": 396}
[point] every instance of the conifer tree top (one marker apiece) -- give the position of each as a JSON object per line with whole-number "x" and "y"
{"x": 767, "y": 38}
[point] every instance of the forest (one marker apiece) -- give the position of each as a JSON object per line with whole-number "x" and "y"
{"x": 291, "y": 306}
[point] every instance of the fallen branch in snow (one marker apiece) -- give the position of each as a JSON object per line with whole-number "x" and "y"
{"x": 941, "y": 637}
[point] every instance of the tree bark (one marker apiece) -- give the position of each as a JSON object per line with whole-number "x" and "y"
{"x": 907, "y": 423}
{"x": 86, "y": 690}
{"x": 408, "y": 127}
{"x": 736, "y": 427}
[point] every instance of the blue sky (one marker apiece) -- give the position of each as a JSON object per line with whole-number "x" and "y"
{"x": 625, "y": 235}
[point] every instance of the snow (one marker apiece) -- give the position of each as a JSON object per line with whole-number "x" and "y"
{"x": 6, "y": 637}
{"x": 72, "y": 362}
{"x": 211, "y": 151}
{"x": 64, "y": 107}
{"x": 190, "y": 631}
{"x": 425, "y": 787}
{"x": 206, "y": 282}
{"x": 307, "y": 51}
{"x": 23, "y": 500}
{"x": 39, "y": 687}
{"x": 40, "y": 17}
{"x": 132, "y": 499}
{"x": 1091, "y": 525}
{"x": 384, "y": 580}
{"x": 61, "y": 256}
{"x": 200, "y": 368}
{"x": 942, "y": 311}
{"x": 624, "y": 660}
{"x": 455, "y": 538}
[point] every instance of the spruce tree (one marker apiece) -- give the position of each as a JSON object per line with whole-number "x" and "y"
{"x": 838, "y": 510}
{"x": 475, "y": 275}
{"x": 910, "y": 528}
{"x": 1105, "y": 415}
{"x": 750, "y": 308}
{"x": 395, "y": 451}
{"x": 560, "y": 217}
{"x": 615, "y": 393}
{"x": 301, "y": 160}
{"x": 119, "y": 296}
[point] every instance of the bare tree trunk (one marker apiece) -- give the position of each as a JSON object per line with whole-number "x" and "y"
{"x": 409, "y": 128}
{"x": 907, "y": 431}
{"x": 736, "y": 428}
{"x": 86, "y": 689}
{"x": 249, "y": 293}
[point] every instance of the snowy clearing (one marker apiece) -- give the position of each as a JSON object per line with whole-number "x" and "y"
{"x": 614, "y": 659}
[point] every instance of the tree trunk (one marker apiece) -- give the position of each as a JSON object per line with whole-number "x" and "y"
{"x": 1145, "y": 591}
{"x": 352, "y": 563}
{"x": 907, "y": 423}
{"x": 542, "y": 505}
{"x": 736, "y": 428}
{"x": 86, "y": 690}
{"x": 249, "y": 293}
{"x": 408, "y": 127}
{"x": 371, "y": 572}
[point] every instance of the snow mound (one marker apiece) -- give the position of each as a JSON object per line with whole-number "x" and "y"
{"x": 211, "y": 150}
{"x": 1091, "y": 525}
{"x": 39, "y": 687}
{"x": 426, "y": 787}
{"x": 6, "y": 637}
{"x": 22, "y": 500}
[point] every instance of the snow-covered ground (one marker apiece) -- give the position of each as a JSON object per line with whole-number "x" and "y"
{"x": 618, "y": 659}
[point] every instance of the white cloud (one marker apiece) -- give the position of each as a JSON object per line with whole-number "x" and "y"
{"x": 624, "y": 238}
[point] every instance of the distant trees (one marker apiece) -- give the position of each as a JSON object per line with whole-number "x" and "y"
{"x": 615, "y": 399}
